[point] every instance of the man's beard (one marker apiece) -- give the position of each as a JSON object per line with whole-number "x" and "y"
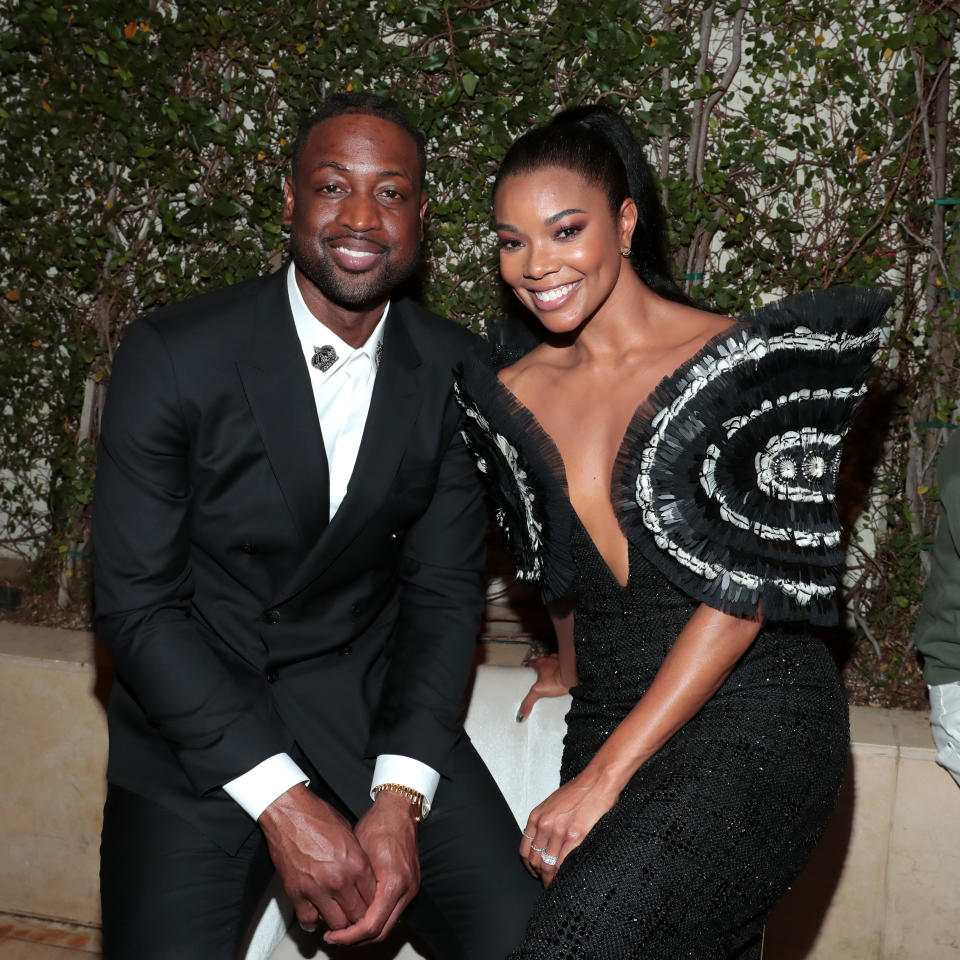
{"x": 350, "y": 291}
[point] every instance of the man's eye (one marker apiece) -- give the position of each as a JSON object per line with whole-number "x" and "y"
{"x": 329, "y": 188}
{"x": 392, "y": 194}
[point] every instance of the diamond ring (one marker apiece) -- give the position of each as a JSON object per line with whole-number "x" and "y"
{"x": 527, "y": 835}
{"x": 548, "y": 858}
{"x": 537, "y": 849}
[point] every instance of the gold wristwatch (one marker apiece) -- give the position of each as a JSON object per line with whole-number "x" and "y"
{"x": 408, "y": 793}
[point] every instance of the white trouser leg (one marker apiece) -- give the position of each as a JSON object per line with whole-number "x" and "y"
{"x": 945, "y": 725}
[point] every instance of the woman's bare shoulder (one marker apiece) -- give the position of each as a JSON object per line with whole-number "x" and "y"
{"x": 533, "y": 369}
{"x": 692, "y": 325}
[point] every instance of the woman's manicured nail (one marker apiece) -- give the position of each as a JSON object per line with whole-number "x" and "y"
{"x": 519, "y": 718}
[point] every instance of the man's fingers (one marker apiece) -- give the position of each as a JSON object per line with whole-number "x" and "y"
{"x": 367, "y": 885}
{"x": 333, "y": 914}
{"x": 307, "y": 914}
{"x": 371, "y": 924}
{"x": 361, "y": 932}
{"x": 395, "y": 916}
{"x": 352, "y": 903}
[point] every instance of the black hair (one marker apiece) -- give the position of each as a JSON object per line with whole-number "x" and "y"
{"x": 597, "y": 144}
{"x": 369, "y": 104}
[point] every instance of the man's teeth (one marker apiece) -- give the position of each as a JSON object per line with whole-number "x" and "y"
{"x": 545, "y": 296}
{"x": 354, "y": 252}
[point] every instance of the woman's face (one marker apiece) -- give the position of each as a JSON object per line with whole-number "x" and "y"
{"x": 560, "y": 245}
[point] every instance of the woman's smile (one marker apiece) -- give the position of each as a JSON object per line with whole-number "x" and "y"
{"x": 553, "y": 298}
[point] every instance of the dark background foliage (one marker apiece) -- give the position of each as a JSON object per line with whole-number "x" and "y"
{"x": 799, "y": 143}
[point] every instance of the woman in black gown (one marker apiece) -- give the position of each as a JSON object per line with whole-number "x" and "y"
{"x": 667, "y": 475}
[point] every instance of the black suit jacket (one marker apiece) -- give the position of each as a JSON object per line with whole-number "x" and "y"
{"x": 239, "y": 621}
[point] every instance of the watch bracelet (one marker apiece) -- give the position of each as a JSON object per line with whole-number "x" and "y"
{"x": 415, "y": 797}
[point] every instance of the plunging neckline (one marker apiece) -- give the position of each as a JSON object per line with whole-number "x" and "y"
{"x": 546, "y": 439}
{"x": 645, "y": 413}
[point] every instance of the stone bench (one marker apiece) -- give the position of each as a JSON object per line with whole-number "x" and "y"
{"x": 882, "y": 884}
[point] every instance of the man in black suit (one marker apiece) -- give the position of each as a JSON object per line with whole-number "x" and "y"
{"x": 289, "y": 542}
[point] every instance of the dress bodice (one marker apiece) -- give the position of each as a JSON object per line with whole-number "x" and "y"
{"x": 622, "y": 633}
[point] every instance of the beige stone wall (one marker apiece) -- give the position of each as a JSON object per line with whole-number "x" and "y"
{"x": 52, "y": 764}
{"x": 883, "y": 883}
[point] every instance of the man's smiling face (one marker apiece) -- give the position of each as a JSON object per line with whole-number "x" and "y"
{"x": 355, "y": 209}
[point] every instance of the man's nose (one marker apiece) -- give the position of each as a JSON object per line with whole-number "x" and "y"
{"x": 359, "y": 212}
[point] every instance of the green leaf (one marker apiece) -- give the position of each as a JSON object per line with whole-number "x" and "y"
{"x": 476, "y": 60}
{"x": 227, "y": 208}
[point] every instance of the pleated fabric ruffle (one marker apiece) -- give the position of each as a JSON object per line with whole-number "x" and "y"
{"x": 726, "y": 479}
{"x": 522, "y": 472}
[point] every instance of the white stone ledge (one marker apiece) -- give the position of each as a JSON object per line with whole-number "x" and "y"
{"x": 875, "y": 731}
{"x": 47, "y": 648}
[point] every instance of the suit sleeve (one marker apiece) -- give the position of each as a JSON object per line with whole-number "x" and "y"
{"x": 170, "y": 663}
{"x": 442, "y": 599}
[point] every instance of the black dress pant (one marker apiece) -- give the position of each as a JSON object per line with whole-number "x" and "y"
{"x": 169, "y": 893}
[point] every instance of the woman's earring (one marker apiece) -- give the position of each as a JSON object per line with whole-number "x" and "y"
{"x": 625, "y": 251}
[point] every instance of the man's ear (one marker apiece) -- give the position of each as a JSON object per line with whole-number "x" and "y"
{"x": 289, "y": 199}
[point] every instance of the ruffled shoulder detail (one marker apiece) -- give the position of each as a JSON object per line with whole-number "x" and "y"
{"x": 522, "y": 472}
{"x": 726, "y": 478}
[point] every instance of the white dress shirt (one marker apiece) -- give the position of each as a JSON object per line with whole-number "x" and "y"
{"x": 342, "y": 394}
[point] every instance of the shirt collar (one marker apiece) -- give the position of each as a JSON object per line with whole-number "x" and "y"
{"x": 313, "y": 333}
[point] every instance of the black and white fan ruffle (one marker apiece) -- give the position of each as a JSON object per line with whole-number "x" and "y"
{"x": 522, "y": 477}
{"x": 726, "y": 479}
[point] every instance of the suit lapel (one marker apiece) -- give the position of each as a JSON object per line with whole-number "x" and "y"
{"x": 277, "y": 387}
{"x": 393, "y": 410}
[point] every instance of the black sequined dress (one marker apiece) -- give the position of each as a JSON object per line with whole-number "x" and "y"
{"x": 745, "y": 445}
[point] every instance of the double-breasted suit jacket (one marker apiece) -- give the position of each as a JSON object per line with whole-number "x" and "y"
{"x": 240, "y": 622}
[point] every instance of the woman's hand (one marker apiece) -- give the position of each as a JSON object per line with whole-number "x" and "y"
{"x": 549, "y": 683}
{"x": 560, "y": 823}
{"x": 705, "y": 652}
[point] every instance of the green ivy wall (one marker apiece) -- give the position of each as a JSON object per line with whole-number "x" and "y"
{"x": 799, "y": 143}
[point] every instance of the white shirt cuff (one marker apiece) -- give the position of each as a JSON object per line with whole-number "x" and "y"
{"x": 256, "y": 789}
{"x": 393, "y": 768}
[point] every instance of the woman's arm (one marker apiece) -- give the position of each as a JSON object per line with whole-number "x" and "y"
{"x": 556, "y": 672}
{"x": 562, "y": 616}
{"x": 705, "y": 652}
